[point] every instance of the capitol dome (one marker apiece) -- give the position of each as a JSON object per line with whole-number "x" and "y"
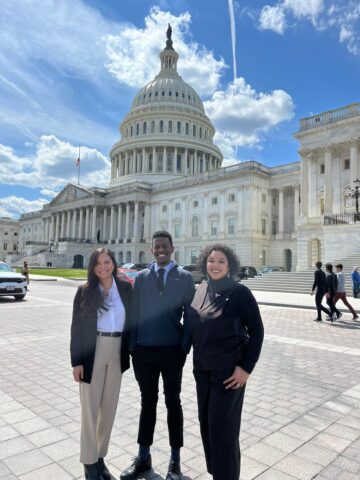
{"x": 166, "y": 134}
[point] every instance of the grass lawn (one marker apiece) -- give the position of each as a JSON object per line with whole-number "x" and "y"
{"x": 59, "y": 272}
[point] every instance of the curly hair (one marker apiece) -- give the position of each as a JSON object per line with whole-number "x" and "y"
{"x": 232, "y": 258}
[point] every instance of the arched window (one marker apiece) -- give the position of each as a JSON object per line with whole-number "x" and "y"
{"x": 170, "y": 126}
{"x": 137, "y": 129}
{"x": 144, "y": 128}
{"x": 128, "y": 256}
{"x": 161, "y": 126}
{"x": 120, "y": 257}
{"x": 142, "y": 257}
{"x": 195, "y": 227}
{"x": 152, "y": 126}
{"x": 186, "y": 129}
{"x": 194, "y": 130}
{"x": 178, "y": 127}
{"x": 200, "y": 132}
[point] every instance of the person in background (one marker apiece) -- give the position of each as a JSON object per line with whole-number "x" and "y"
{"x": 331, "y": 289}
{"x": 162, "y": 294}
{"x": 226, "y": 332}
{"x": 341, "y": 291}
{"x": 25, "y": 270}
{"x": 355, "y": 276}
{"x": 99, "y": 356}
{"x": 319, "y": 286}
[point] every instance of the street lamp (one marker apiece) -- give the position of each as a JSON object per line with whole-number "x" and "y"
{"x": 355, "y": 193}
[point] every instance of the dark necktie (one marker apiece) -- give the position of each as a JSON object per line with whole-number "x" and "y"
{"x": 161, "y": 273}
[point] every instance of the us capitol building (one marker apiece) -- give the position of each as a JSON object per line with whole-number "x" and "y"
{"x": 166, "y": 174}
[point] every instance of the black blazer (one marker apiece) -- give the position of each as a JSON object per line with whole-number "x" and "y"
{"x": 319, "y": 281}
{"x": 83, "y": 332}
{"x": 226, "y": 331}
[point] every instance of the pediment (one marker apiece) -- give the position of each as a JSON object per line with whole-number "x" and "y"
{"x": 70, "y": 193}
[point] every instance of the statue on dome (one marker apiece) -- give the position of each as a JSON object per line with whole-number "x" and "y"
{"x": 169, "y": 42}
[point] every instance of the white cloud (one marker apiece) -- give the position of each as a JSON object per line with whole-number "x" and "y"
{"x": 48, "y": 193}
{"x": 242, "y": 116}
{"x": 53, "y": 165}
{"x": 343, "y": 16}
{"x": 13, "y": 206}
{"x": 134, "y": 53}
{"x": 272, "y": 18}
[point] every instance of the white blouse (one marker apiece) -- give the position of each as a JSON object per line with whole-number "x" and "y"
{"x": 112, "y": 319}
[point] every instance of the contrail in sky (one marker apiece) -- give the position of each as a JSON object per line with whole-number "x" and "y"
{"x": 233, "y": 34}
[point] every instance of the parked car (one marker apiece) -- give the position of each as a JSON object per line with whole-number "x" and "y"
{"x": 271, "y": 269}
{"x": 128, "y": 274}
{"x": 134, "y": 266}
{"x": 246, "y": 272}
{"x": 195, "y": 272}
{"x": 11, "y": 283}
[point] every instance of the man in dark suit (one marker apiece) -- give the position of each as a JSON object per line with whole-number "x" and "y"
{"x": 320, "y": 286}
{"x": 158, "y": 339}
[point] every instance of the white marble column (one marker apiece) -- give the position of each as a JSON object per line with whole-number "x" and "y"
{"x": 136, "y": 222}
{"x": 104, "y": 227}
{"x": 147, "y": 222}
{"x": 154, "y": 161}
{"x": 196, "y": 166}
{"x": 296, "y": 207}
{"x": 354, "y": 161}
{"x": 93, "y": 227}
{"x": 281, "y": 211}
{"x": 304, "y": 189}
{"x": 87, "y": 224}
{"x": 335, "y": 181}
{"x": 312, "y": 193}
{"x": 119, "y": 221}
{"x": 62, "y": 228}
{"x": 68, "y": 224}
{"x": 81, "y": 223}
{"x": 205, "y": 217}
{"x": 164, "y": 159}
{"x": 74, "y": 218}
{"x": 126, "y": 163}
{"x": 127, "y": 221}
{"x": 112, "y": 213}
{"x": 56, "y": 239}
{"x": 328, "y": 193}
{"x": 185, "y": 168}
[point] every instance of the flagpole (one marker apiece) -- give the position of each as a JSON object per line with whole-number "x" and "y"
{"x": 79, "y": 167}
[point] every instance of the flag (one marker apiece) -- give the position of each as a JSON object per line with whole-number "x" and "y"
{"x": 77, "y": 163}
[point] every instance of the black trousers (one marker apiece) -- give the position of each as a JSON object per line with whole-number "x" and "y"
{"x": 220, "y": 418}
{"x": 318, "y": 299}
{"x": 149, "y": 363}
{"x": 330, "y": 302}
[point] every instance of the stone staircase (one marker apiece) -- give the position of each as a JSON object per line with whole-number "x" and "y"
{"x": 300, "y": 282}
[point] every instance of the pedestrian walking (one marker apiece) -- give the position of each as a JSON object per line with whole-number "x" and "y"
{"x": 331, "y": 289}
{"x": 341, "y": 291}
{"x": 162, "y": 294}
{"x": 25, "y": 270}
{"x": 99, "y": 356}
{"x": 227, "y": 334}
{"x": 355, "y": 276}
{"x": 319, "y": 288}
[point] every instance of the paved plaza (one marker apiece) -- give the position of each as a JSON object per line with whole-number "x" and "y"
{"x": 301, "y": 415}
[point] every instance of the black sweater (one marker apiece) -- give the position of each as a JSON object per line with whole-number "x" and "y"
{"x": 225, "y": 326}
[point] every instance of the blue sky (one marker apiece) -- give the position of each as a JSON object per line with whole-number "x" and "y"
{"x": 69, "y": 70}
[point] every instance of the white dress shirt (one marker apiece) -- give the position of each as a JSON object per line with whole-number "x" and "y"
{"x": 112, "y": 319}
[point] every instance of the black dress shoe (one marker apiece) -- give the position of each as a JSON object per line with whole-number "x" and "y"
{"x": 92, "y": 472}
{"x": 174, "y": 471}
{"x": 104, "y": 470}
{"x": 317, "y": 320}
{"x": 137, "y": 468}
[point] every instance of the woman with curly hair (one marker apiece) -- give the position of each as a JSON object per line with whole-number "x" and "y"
{"x": 99, "y": 356}
{"x": 227, "y": 334}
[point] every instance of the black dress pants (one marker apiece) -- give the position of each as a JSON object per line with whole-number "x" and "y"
{"x": 220, "y": 418}
{"x": 330, "y": 302}
{"x": 149, "y": 363}
{"x": 318, "y": 299}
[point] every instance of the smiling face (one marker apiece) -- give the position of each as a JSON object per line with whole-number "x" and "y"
{"x": 217, "y": 265}
{"x": 104, "y": 267}
{"x": 162, "y": 250}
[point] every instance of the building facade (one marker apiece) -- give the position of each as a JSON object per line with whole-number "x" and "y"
{"x": 166, "y": 174}
{"x": 9, "y": 237}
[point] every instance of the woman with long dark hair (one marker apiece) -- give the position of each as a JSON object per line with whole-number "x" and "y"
{"x": 99, "y": 356}
{"x": 227, "y": 334}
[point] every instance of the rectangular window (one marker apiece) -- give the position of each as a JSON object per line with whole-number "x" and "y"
{"x": 152, "y": 126}
{"x": 322, "y": 168}
{"x": 137, "y": 129}
{"x": 164, "y": 208}
{"x": 214, "y": 201}
{"x": 15, "y": 234}
{"x": 231, "y": 198}
{"x": 194, "y": 256}
{"x": 263, "y": 226}
{"x": 144, "y": 128}
{"x": 273, "y": 227}
{"x": 263, "y": 198}
{"x": 177, "y": 206}
{"x": 186, "y": 129}
{"x": 231, "y": 226}
{"x": 347, "y": 164}
{"x": 169, "y": 165}
{"x": 5, "y": 246}
{"x": 150, "y": 163}
{"x": 5, "y": 233}
{"x": 177, "y": 230}
{"x": 194, "y": 130}
{"x": 214, "y": 227}
{"x": 178, "y": 127}
{"x": 274, "y": 201}
{"x": 178, "y": 163}
{"x": 160, "y": 162}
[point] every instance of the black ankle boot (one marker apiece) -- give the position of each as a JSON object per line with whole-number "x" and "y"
{"x": 104, "y": 470}
{"x": 92, "y": 472}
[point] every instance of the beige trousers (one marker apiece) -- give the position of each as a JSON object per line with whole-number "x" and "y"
{"x": 99, "y": 400}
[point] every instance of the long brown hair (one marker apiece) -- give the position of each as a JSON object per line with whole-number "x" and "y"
{"x": 93, "y": 300}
